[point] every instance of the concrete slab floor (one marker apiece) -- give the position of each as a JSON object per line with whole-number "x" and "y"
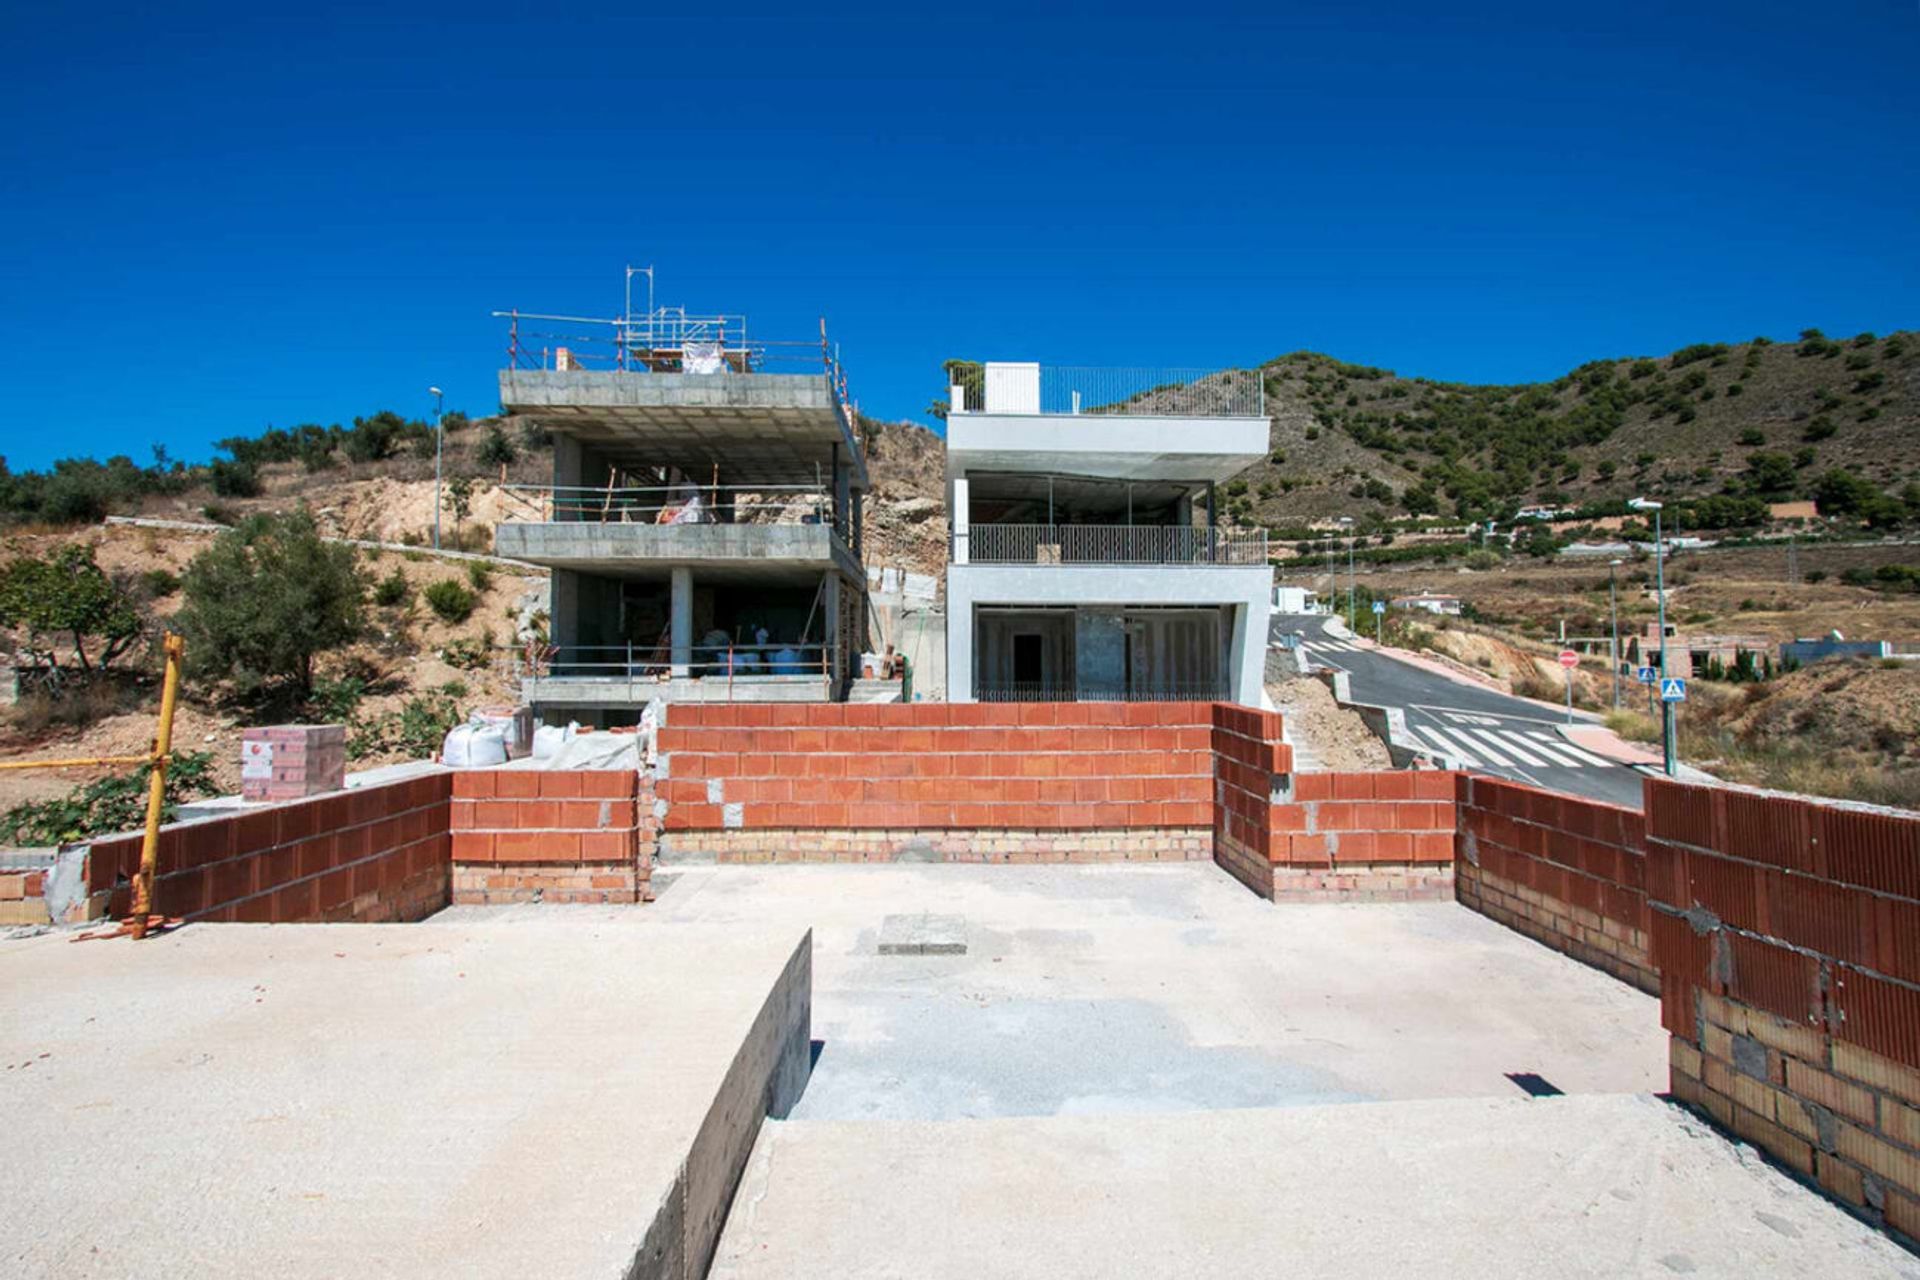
{"x": 1114, "y": 988}
{"x": 383, "y": 1100}
{"x": 1588, "y": 1186}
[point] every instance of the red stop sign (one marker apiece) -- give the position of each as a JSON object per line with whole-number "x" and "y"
{"x": 1569, "y": 659}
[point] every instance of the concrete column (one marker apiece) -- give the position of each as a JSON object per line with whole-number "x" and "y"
{"x": 958, "y": 516}
{"x": 830, "y": 605}
{"x": 1247, "y": 660}
{"x": 680, "y": 620}
{"x": 959, "y": 659}
{"x": 567, "y": 468}
{"x": 563, "y": 608}
{"x": 842, "y": 495}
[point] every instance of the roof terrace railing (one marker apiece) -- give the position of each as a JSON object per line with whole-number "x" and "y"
{"x": 1086, "y": 390}
{"x": 667, "y": 340}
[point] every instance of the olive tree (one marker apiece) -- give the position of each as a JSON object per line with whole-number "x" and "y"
{"x": 265, "y": 598}
{"x": 68, "y": 598}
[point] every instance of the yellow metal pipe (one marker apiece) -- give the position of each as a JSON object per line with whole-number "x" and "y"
{"x": 176, "y": 647}
{"x": 74, "y": 764}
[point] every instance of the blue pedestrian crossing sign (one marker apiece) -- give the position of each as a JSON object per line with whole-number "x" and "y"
{"x": 1673, "y": 690}
{"x": 1379, "y": 607}
{"x": 1647, "y": 675}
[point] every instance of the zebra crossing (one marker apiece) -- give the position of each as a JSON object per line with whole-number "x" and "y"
{"x": 1328, "y": 643}
{"x": 1507, "y": 747}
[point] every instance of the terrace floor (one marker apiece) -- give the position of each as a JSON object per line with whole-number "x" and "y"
{"x": 1108, "y": 988}
{"x": 1147, "y": 1070}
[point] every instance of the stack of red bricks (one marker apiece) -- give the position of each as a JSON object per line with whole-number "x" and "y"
{"x": 369, "y": 854}
{"x": 993, "y": 782}
{"x": 292, "y": 761}
{"x": 1567, "y": 872}
{"x": 576, "y": 835}
{"x": 1787, "y": 935}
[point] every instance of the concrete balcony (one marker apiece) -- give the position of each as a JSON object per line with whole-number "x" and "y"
{"x": 712, "y": 550}
{"x": 772, "y": 427}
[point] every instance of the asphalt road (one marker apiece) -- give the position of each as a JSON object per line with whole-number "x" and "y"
{"x": 1493, "y": 733}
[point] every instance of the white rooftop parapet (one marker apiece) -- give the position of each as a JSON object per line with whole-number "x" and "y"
{"x": 1012, "y": 388}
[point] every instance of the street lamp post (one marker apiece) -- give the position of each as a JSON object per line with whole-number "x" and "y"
{"x": 439, "y": 453}
{"x": 1660, "y": 588}
{"x": 1352, "y": 617}
{"x": 1613, "y": 645}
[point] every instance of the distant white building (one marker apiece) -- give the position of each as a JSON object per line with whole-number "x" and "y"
{"x": 1295, "y": 600}
{"x": 1087, "y": 559}
{"x": 1541, "y": 513}
{"x": 1428, "y": 602}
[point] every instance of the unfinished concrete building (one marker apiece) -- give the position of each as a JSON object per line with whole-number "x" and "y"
{"x": 703, "y": 524}
{"x": 1088, "y": 558}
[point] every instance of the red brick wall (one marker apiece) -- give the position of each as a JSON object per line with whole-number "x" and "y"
{"x": 762, "y": 780}
{"x": 1787, "y": 934}
{"x": 368, "y": 854}
{"x": 1567, "y": 872}
{"x": 1356, "y": 836}
{"x": 23, "y": 895}
{"x": 525, "y": 835}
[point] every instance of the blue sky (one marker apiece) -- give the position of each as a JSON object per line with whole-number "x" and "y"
{"x": 220, "y": 218}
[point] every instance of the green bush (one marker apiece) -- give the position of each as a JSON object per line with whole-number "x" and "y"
{"x": 233, "y": 479}
{"x": 159, "y": 583}
{"x": 496, "y": 450}
{"x": 337, "y": 701}
{"x": 1753, "y": 437}
{"x": 417, "y": 729}
{"x": 390, "y": 590}
{"x": 450, "y": 601}
{"x": 107, "y": 805}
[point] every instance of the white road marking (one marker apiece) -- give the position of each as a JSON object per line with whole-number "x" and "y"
{"x": 1585, "y": 757}
{"x": 1511, "y": 742}
{"x": 1491, "y": 747}
{"x": 1446, "y": 744}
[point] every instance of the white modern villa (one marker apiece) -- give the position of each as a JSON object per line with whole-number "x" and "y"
{"x": 1088, "y": 561}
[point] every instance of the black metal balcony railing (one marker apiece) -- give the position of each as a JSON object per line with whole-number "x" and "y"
{"x": 639, "y": 665}
{"x": 1109, "y": 544}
